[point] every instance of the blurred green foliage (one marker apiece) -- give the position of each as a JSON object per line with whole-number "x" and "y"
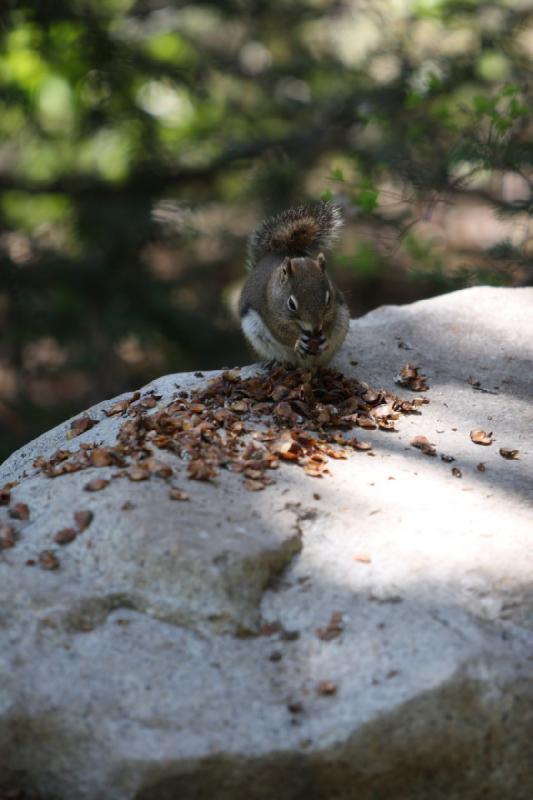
{"x": 141, "y": 141}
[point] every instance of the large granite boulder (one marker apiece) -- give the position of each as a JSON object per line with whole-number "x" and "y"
{"x": 366, "y": 634}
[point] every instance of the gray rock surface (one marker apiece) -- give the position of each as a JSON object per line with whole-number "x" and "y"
{"x": 147, "y": 666}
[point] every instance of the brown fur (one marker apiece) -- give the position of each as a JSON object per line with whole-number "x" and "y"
{"x": 298, "y": 231}
{"x": 295, "y": 236}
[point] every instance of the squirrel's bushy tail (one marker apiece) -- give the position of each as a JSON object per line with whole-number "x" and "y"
{"x": 301, "y": 230}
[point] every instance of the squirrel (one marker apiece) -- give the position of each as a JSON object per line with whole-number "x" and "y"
{"x": 290, "y": 309}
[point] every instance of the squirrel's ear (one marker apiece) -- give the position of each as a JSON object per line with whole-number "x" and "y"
{"x": 286, "y": 268}
{"x": 321, "y": 258}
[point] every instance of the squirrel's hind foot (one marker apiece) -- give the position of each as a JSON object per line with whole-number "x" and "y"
{"x": 271, "y": 364}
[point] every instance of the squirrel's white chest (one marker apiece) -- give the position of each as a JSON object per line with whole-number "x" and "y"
{"x": 262, "y": 340}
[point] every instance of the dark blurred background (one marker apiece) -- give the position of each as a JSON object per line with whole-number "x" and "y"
{"x": 141, "y": 141}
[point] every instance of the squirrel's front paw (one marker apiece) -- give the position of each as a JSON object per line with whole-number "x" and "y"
{"x": 322, "y": 345}
{"x": 308, "y": 345}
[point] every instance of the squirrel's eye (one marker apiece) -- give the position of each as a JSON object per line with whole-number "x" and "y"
{"x": 328, "y": 297}
{"x": 292, "y": 303}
